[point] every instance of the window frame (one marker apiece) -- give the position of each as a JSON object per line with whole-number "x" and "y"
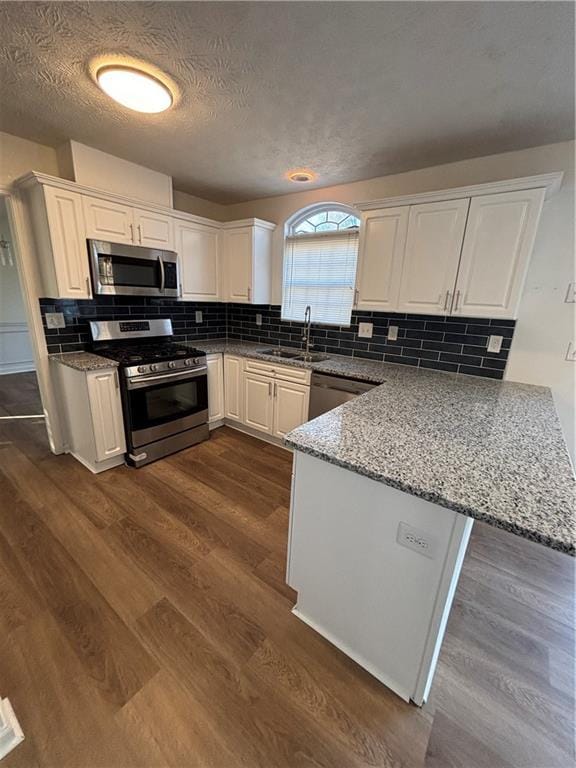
{"x": 294, "y": 221}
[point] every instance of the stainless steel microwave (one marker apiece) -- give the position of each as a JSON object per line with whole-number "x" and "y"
{"x": 131, "y": 270}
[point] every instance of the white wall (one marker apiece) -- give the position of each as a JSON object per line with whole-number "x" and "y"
{"x": 545, "y": 323}
{"x": 18, "y": 156}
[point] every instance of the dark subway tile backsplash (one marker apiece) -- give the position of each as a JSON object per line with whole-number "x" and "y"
{"x": 454, "y": 344}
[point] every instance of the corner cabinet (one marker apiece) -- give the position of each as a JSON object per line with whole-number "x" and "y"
{"x": 247, "y": 261}
{"x": 465, "y": 256}
{"x": 59, "y": 236}
{"x": 198, "y": 249}
{"x": 92, "y": 408}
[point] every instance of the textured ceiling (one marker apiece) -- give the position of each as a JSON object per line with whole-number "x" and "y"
{"x": 352, "y": 90}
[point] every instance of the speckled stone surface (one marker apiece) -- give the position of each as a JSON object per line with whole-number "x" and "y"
{"x": 84, "y": 361}
{"x": 490, "y": 450}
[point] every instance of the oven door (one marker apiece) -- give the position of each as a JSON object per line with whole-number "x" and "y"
{"x": 164, "y": 404}
{"x": 119, "y": 270}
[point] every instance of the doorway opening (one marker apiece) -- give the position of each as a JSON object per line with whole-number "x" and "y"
{"x": 19, "y": 392}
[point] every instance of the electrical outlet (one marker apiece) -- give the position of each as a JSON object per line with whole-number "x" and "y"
{"x": 571, "y": 353}
{"x": 55, "y": 320}
{"x": 198, "y": 315}
{"x": 392, "y": 333}
{"x": 365, "y": 330}
{"x": 258, "y": 319}
{"x": 417, "y": 540}
{"x": 495, "y": 344}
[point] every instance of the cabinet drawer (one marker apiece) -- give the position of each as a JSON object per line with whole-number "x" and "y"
{"x": 277, "y": 371}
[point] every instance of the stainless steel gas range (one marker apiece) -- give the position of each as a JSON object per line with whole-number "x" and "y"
{"x": 164, "y": 386}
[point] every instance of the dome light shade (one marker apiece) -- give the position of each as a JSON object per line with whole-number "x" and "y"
{"x": 301, "y": 175}
{"x": 134, "y": 89}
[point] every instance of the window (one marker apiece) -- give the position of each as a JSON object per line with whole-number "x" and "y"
{"x": 320, "y": 265}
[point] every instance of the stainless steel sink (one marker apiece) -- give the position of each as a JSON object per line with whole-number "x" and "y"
{"x": 296, "y": 354}
{"x": 278, "y": 352}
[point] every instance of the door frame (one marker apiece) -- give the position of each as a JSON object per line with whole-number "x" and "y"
{"x": 26, "y": 264}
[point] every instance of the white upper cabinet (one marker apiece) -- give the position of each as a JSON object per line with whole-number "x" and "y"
{"x": 380, "y": 256}
{"x": 433, "y": 246}
{"x": 153, "y": 230}
{"x": 198, "y": 256}
{"x": 107, "y": 220}
{"x": 497, "y": 246}
{"x": 118, "y": 223}
{"x": 60, "y": 242}
{"x": 247, "y": 260}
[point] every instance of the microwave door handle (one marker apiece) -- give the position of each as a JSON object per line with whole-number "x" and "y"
{"x": 162, "y": 275}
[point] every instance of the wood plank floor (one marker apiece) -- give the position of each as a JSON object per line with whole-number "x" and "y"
{"x": 19, "y": 395}
{"x": 145, "y": 622}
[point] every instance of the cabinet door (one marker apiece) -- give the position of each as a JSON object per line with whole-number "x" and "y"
{"x": 106, "y": 220}
{"x": 290, "y": 406}
{"x": 153, "y": 230}
{"x": 380, "y": 256}
{"x": 106, "y": 409}
{"x": 215, "y": 387}
{"x": 433, "y": 245}
{"x": 238, "y": 264}
{"x": 199, "y": 265}
{"x": 68, "y": 241}
{"x": 233, "y": 387}
{"x": 258, "y": 402}
{"x": 497, "y": 247}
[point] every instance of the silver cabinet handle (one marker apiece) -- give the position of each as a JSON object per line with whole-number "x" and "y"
{"x": 140, "y": 234}
{"x": 116, "y": 384}
{"x": 456, "y": 301}
{"x": 446, "y": 300}
{"x": 88, "y": 286}
{"x": 356, "y": 297}
{"x": 269, "y": 389}
{"x": 132, "y": 233}
{"x": 249, "y": 293}
{"x": 275, "y": 390}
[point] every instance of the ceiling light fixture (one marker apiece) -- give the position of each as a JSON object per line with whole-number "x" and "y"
{"x": 301, "y": 176}
{"x": 134, "y": 88}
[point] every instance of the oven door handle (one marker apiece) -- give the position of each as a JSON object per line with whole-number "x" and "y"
{"x": 162, "y": 275}
{"x": 142, "y": 381}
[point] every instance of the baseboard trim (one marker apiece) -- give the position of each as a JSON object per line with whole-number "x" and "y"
{"x": 277, "y": 441}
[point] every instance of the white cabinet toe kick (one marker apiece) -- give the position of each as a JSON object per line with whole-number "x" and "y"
{"x": 375, "y": 570}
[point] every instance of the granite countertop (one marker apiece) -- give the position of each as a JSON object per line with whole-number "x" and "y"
{"x": 490, "y": 450}
{"x": 84, "y": 361}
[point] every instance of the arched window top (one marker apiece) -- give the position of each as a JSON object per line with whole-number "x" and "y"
{"x": 327, "y": 217}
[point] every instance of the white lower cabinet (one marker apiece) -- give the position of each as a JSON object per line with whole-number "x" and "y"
{"x": 92, "y": 408}
{"x": 233, "y": 385}
{"x": 259, "y": 402}
{"x": 215, "y": 366}
{"x": 290, "y": 406}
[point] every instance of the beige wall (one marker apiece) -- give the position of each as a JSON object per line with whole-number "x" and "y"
{"x": 545, "y": 323}
{"x": 18, "y": 156}
{"x": 199, "y": 207}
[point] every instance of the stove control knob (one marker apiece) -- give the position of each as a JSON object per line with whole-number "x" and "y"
{"x": 196, "y": 361}
{"x": 172, "y": 364}
{"x": 154, "y": 367}
{"x": 188, "y": 362}
{"x": 141, "y": 369}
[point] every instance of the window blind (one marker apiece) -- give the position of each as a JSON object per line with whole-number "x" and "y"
{"x": 320, "y": 271}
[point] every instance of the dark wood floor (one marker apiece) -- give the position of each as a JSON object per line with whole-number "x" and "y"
{"x": 19, "y": 395}
{"x": 144, "y": 621}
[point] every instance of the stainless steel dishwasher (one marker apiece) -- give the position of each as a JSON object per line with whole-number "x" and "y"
{"x": 327, "y": 392}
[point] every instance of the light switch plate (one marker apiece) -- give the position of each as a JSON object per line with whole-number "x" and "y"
{"x": 392, "y": 333}
{"x": 258, "y": 319}
{"x": 495, "y": 344}
{"x": 55, "y": 320}
{"x": 365, "y": 330}
{"x": 198, "y": 315}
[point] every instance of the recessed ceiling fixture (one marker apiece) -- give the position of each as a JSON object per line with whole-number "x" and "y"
{"x": 301, "y": 175}
{"x": 134, "y": 88}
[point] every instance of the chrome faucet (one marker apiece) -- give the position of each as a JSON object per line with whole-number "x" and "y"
{"x": 306, "y": 332}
